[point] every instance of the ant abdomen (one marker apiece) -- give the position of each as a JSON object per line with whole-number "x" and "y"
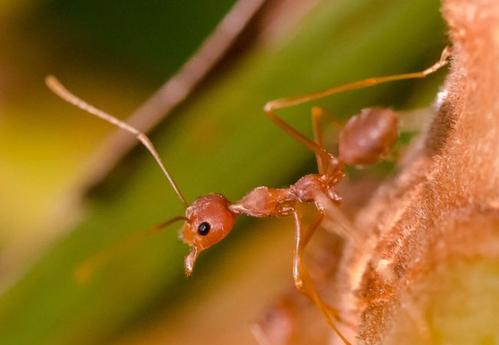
{"x": 367, "y": 136}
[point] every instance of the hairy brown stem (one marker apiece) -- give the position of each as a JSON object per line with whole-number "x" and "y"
{"x": 444, "y": 206}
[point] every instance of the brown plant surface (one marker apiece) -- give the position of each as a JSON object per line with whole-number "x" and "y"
{"x": 424, "y": 272}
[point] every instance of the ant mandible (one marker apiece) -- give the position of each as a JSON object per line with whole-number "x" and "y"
{"x": 210, "y": 218}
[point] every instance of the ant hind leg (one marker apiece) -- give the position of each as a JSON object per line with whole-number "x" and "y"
{"x": 287, "y": 102}
{"x": 271, "y": 107}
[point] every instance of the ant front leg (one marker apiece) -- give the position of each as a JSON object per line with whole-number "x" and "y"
{"x": 302, "y": 279}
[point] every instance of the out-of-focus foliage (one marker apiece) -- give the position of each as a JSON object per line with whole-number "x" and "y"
{"x": 111, "y": 54}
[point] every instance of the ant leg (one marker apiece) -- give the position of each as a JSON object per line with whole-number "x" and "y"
{"x": 287, "y": 102}
{"x": 271, "y": 106}
{"x": 317, "y": 113}
{"x": 302, "y": 279}
{"x": 322, "y": 156}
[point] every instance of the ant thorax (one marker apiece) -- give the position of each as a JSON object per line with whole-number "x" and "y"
{"x": 310, "y": 187}
{"x": 266, "y": 202}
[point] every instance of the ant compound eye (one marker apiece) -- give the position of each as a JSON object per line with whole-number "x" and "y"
{"x": 204, "y": 228}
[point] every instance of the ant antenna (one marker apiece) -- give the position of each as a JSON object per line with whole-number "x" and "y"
{"x": 56, "y": 87}
{"x": 86, "y": 269}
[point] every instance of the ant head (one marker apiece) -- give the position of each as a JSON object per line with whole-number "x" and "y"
{"x": 209, "y": 220}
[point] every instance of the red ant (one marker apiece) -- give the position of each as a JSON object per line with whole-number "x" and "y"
{"x": 210, "y": 218}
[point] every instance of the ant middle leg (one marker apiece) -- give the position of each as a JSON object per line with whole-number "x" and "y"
{"x": 323, "y": 157}
{"x": 302, "y": 279}
{"x": 316, "y": 115}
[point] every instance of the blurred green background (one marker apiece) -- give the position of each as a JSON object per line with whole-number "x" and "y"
{"x": 115, "y": 54}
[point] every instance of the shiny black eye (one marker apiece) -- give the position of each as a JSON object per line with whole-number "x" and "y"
{"x": 204, "y": 228}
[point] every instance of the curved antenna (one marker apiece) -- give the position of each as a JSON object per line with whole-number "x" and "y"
{"x": 56, "y": 87}
{"x": 85, "y": 270}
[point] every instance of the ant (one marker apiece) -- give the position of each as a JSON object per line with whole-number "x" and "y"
{"x": 365, "y": 138}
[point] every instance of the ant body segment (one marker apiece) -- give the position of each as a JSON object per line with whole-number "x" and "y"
{"x": 210, "y": 218}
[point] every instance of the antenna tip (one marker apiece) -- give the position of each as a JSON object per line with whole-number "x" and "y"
{"x": 49, "y": 79}
{"x": 52, "y": 82}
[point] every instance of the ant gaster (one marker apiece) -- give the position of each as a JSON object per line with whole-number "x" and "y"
{"x": 210, "y": 218}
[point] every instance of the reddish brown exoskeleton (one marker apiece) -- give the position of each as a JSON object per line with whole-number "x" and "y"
{"x": 290, "y": 319}
{"x": 210, "y": 218}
